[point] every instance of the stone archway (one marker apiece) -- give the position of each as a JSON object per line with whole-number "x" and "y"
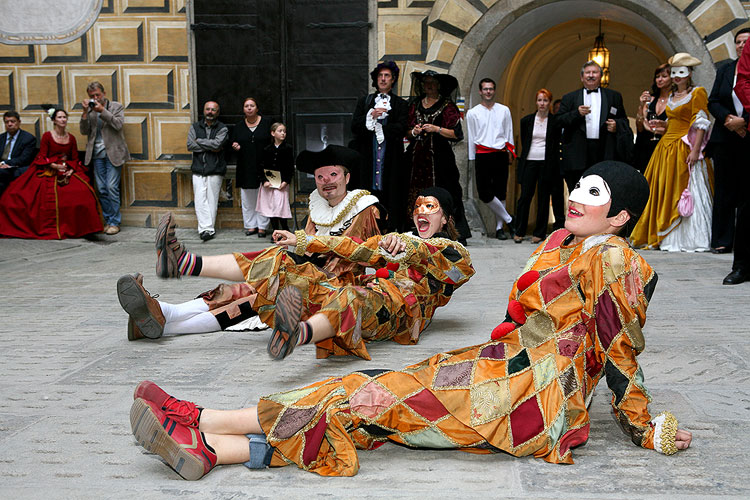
{"x": 474, "y": 38}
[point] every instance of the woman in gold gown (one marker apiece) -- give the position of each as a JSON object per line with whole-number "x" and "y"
{"x": 677, "y": 164}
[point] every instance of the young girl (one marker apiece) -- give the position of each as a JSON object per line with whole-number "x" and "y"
{"x": 277, "y": 164}
{"x": 574, "y": 316}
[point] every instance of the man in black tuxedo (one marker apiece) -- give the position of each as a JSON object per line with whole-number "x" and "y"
{"x": 379, "y": 127}
{"x": 730, "y": 143}
{"x": 16, "y": 149}
{"x": 595, "y": 126}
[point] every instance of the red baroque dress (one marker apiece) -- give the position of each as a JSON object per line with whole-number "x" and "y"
{"x": 578, "y": 311}
{"x": 42, "y": 204}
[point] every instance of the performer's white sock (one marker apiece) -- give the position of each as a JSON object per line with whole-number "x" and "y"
{"x": 186, "y": 310}
{"x": 200, "y": 323}
{"x": 501, "y": 214}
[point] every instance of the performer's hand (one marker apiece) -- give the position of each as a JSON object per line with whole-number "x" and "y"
{"x": 682, "y": 439}
{"x": 611, "y": 125}
{"x": 692, "y": 158}
{"x": 284, "y": 238}
{"x": 266, "y": 184}
{"x": 283, "y": 185}
{"x": 236, "y": 146}
{"x": 4, "y": 165}
{"x": 392, "y": 244}
{"x": 376, "y": 112}
{"x": 584, "y": 110}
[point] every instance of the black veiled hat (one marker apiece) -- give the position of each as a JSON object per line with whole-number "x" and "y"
{"x": 628, "y": 188}
{"x": 442, "y": 196}
{"x": 448, "y": 85}
{"x": 308, "y": 161}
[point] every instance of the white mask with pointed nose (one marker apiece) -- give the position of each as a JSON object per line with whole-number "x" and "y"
{"x": 591, "y": 190}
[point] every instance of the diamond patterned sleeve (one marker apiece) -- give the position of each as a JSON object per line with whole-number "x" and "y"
{"x": 620, "y": 313}
{"x": 351, "y": 249}
{"x": 446, "y": 260}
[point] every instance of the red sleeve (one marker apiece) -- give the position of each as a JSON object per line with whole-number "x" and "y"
{"x": 74, "y": 153}
{"x": 412, "y": 120}
{"x": 451, "y": 115}
{"x": 42, "y": 157}
{"x": 742, "y": 87}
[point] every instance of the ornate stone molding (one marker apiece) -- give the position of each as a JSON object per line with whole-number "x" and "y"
{"x": 47, "y": 22}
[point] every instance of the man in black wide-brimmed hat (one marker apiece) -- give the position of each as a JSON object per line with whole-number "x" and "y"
{"x": 334, "y": 211}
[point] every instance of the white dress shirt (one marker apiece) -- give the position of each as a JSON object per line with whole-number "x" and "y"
{"x": 492, "y": 128}
{"x": 593, "y": 99}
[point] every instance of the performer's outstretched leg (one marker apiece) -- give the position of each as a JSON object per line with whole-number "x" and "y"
{"x": 173, "y": 260}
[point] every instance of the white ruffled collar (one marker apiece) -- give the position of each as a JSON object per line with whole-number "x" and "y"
{"x": 325, "y": 217}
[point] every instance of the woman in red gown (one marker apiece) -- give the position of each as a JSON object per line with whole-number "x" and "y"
{"x": 53, "y": 199}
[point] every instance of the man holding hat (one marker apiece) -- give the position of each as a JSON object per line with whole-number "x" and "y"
{"x": 379, "y": 127}
{"x": 334, "y": 211}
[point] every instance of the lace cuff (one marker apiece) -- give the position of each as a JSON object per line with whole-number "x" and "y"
{"x": 302, "y": 242}
{"x": 701, "y": 121}
{"x": 401, "y": 256}
{"x": 665, "y": 432}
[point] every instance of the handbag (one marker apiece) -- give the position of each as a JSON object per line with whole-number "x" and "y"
{"x": 685, "y": 206}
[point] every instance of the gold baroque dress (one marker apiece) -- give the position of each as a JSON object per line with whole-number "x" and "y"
{"x": 660, "y": 225}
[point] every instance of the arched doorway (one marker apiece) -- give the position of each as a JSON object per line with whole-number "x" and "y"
{"x": 504, "y": 40}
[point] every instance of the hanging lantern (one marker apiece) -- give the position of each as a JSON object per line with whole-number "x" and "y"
{"x": 600, "y": 54}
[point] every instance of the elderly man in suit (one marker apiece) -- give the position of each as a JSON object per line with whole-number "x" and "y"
{"x": 729, "y": 142}
{"x": 16, "y": 149}
{"x": 102, "y": 122}
{"x": 595, "y": 126}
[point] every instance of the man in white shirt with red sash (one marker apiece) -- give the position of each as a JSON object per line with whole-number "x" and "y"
{"x": 490, "y": 136}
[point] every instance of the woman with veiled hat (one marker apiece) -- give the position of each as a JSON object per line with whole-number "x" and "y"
{"x": 678, "y": 215}
{"x": 434, "y": 125}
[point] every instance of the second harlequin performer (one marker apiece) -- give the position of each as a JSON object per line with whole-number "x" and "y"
{"x": 334, "y": 210}
{"x": 574, "y": 316}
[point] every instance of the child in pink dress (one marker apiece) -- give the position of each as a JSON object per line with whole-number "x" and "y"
{"x": 277, "y": 167}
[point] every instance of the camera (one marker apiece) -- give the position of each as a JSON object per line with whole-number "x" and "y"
{"x": 92, "y": 104}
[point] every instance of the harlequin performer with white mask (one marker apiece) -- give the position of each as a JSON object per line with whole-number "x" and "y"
{"x": 574, "y": 316}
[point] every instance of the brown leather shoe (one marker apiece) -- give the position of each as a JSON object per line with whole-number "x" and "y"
{"x": 134, "y": 333}
{"x": 168, "y": 248}
{"x": 143, "y": 308}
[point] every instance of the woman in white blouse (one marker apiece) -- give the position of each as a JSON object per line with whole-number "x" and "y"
{"x": 538, "y": 166}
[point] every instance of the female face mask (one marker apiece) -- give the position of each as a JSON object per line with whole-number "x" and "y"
{"x": 680, "y": 71}
{"x": 591, "y": 190}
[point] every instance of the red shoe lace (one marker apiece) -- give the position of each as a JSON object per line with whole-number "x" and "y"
{"x": 184, "y": 412}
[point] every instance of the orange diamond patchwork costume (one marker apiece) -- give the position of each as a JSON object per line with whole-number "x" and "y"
{"x": 574, "y": 316}
{"x": 525, "y": 393}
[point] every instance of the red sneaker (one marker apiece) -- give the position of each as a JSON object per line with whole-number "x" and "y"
{"x": 183, "y": 448}
{"x": 183, "y": 412}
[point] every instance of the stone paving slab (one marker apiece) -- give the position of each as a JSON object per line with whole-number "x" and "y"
{"x": 69, "y": 372}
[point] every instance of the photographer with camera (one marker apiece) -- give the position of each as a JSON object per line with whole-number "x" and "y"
{"x": 102, "y": 122}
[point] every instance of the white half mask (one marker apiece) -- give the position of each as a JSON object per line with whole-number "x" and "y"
{"x": 681, "y": 71}
{"x": 591, "y": 190}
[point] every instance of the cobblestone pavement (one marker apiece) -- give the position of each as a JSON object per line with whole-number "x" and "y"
{"x": 69, "y": 372}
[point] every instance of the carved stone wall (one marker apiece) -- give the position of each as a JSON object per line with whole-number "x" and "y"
{"x": 138, "y": 50}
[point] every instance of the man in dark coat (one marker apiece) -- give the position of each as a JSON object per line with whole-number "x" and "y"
{"x": 729, "y": 142}
{"x": 17, "y": 148}
{"x": 595, "y": 126}
{"x": 379, "y": 127}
